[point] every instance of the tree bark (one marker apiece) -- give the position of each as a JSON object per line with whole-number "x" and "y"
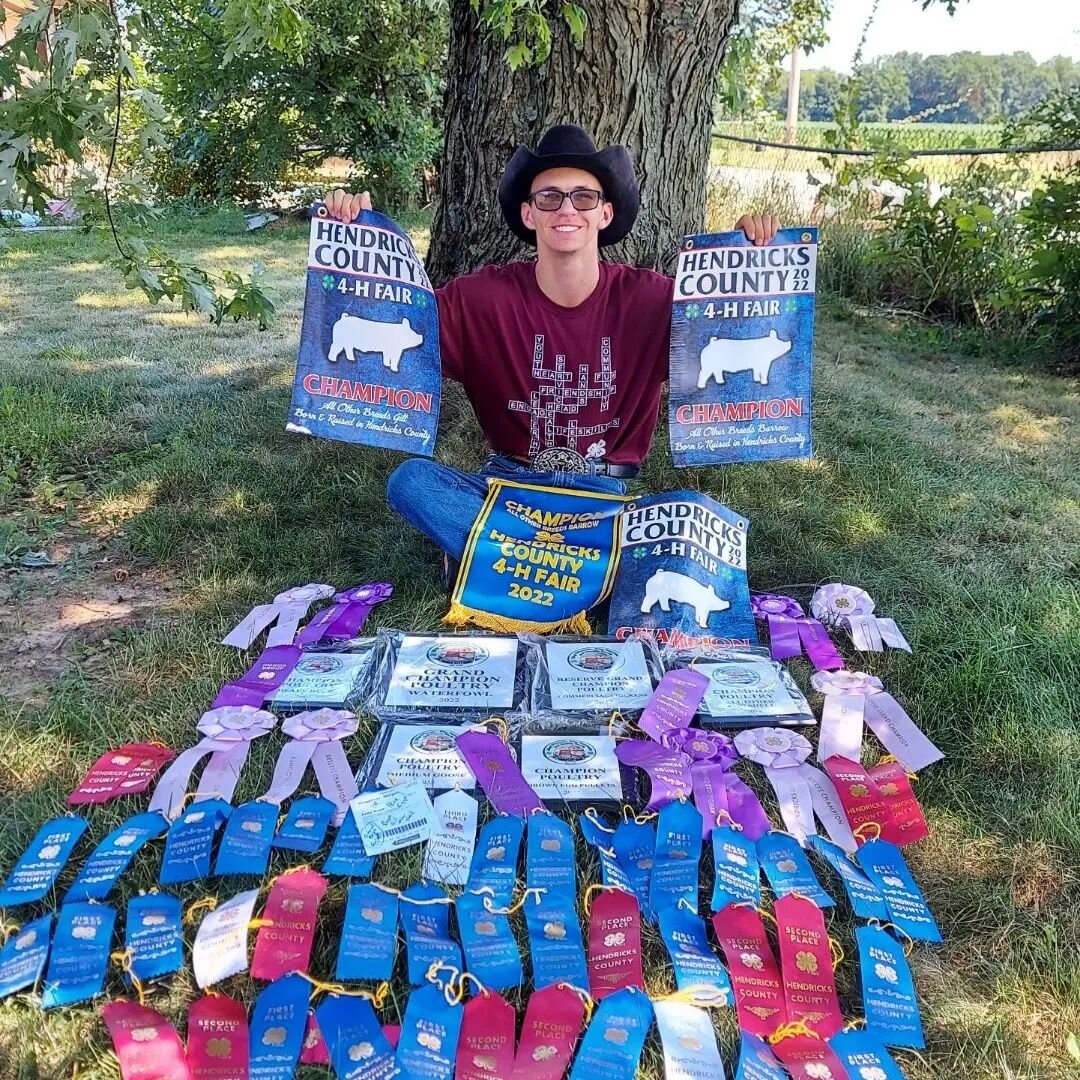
{"x": 645, "y": 77}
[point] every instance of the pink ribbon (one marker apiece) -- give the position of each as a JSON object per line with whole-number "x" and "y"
{"x": 854, "y": 698}
{"x": 316, "y": 739}
{"x": 227, "y": 736}
{"x": 288, "y": 608}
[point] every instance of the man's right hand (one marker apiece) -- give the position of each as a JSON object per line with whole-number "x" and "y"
{"x": 343, "y": 206}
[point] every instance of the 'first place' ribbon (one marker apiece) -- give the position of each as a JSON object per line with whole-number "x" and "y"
{"x": 227, "y": 736}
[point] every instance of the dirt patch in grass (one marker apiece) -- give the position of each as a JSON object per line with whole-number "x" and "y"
{"x": 56, "y": 618}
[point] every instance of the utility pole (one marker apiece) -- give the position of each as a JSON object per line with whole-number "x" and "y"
{"x": 793, "y": 96}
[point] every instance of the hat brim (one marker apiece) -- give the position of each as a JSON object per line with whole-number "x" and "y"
{"x": 612, "y": 166}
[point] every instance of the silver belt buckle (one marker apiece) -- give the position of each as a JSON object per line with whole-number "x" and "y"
{"x": 559, "y": 459}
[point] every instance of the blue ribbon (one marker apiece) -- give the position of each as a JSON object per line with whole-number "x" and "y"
{"x": 549, "y": 854}
{"x": 889, "y": 1003}
{"x": 634, "y": 844}
{"x": 789, "y": 870}
{"x": 277, "y": 1028}
{"x": 427, "y": 932}
{"x": 305, "y": 825}
{"x": 491, "y": 953}
{"x": 354, "y": 1039}
{"x": 860, "y": 1053}
{"x": 347, "y": 856}
{"x": 113, "y": 855}
{"x": 558, "y": 952}
{"x": 757, "y": 1061}
{"x": 738, "y": 872}
{"x": 884, "y": 865}
{"x": 429, "y": 1036}
{"x": 862, "y": 893}
{"x": 22, "y": 959}
{"x": 494, "y": 862}
{"x": 692, "y": 957}
{"x": 368, "y": 943}
{"x": 189, "y": 843}
{"x": 614, "y": 1040}
{"x": 38, "y": 866}
{"x": 678, "y": 853}
{"x": 153, "y": 934}
{"x": 245, "y": 844}
{"x": 80, "y": 954}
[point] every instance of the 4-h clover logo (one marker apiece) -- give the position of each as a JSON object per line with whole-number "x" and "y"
{"x": 420, "y": 299}
{"x": 790, "y": 306}
{"x": 640, "y": 553}
{"x": 693, "y": 311}
{"x": 328, "y": 281}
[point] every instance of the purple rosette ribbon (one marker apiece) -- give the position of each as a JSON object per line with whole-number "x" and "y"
{"x": 283, "y": 615}
{"x": 316, "y": 738}
{"x": 347, "y": 613}
{"x": 801, "y": 790}
{"x": 227, "y": 736}
{"x": 701, "y": 745}
{"x": 854, "y": 698}
{"x": 791, "y": 631}
{"x": 852, "y": 609}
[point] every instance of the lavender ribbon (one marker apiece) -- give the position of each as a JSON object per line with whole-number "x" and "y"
{"x": 227, "y": 736}
{"x": 852, "y": 608}
{"x": 262, "y": 679}
{"x": 346, "y": 615}
{"x": 498, "y": 773}
{"x": 801, "y": 790}
{"x": 853, "y": 698}
{"x": 316, "y": 739}
{"x": 288, "y": 608}
{"x": 668, "y": 770}
{"x": 791, "y": 631}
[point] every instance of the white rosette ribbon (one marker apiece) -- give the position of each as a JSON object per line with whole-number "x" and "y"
{"x": 852, "y": 699}
{"x": 852, "y": 609}
{"x": 801, "y": 790}
{"x": 316, "y": 737}
{"x": 288, "y": 608}
{"x": 227, "y": 735}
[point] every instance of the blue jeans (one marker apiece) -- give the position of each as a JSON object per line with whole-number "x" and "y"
{"x": 443, "y": 502}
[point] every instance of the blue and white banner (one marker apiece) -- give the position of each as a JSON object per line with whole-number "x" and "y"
{"x": 742, "y": 340}
{"x": 368, "y": 370}
{"x": 682, "y": 573}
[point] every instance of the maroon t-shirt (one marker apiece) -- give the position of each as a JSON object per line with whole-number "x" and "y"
{"x": 542, "y": 376}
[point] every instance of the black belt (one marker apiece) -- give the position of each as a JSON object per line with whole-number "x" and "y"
{"x": 595, "y": 468}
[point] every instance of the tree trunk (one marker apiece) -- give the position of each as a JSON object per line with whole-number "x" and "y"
{"x": 645, "y": 77}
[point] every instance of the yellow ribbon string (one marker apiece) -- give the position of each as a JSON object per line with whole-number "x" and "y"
{"x": 890, "y": 759}
{"x": 760, "y": 910}
{"x": 586, "y": 899}
{"x": 464, "y": 979}
{"x": 501, "y": 726}
{"x": 258, "y": 924}
{"x": 725, "y": 818}
{"x": 787, "y": 1031}
{"x": 867, "y": 825}
{"x": 124, "y": 958}
{"x": 513, "y": 908}
{"x": 432, "y": 977}
{"x": 8, "y": 929}
{"x": 644, "y": 819}
{"x": 837, "y": 951}
{"x": 594, "y": 817}
{"x": 908, "y": 947}
{"x": 376, "y": 997}
{"x": 611, "y": 721}
{"x": 207, "y": 903}
{"x": 587, "y": 999}
{"x": 703, "y": 996}
{"x": 854, "y": 1025}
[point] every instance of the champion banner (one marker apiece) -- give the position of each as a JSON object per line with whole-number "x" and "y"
{"x": 368, "y": 370}
{"x": 682, "y": 573}
{"x": 742, "y": 336}
{"x": 537, "y": 558}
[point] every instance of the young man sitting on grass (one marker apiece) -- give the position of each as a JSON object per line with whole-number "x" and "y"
{"x": 564, "y": 358}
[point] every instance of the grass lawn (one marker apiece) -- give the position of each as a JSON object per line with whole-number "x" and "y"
{"x": 145, "y": 452}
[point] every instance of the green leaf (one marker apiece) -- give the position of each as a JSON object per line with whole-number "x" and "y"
{"x": 966, "y": 223}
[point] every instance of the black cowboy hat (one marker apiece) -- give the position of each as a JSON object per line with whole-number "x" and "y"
{"x": 569, "y": 146}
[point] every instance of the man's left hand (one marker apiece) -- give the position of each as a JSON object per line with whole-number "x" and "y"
{"x": 759, "y": 228}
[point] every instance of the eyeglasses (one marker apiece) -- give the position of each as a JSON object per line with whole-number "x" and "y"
{"x": 551, "y": 199}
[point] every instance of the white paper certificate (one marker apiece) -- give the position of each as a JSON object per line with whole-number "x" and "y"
{"x": 598, "y": 675}
{"x": 747, "y": 688}
{"x": 220, "y": 948}
{"x": 427, "y": 754}
{"x": 458, "y": 672}
{"x": 322, "y": 680}
{"x": 394, "y": 818}
{"x": 571, "y": 767}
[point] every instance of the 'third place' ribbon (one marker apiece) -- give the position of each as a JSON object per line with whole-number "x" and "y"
{"x": 853, "y": 609}
{"x": 791, "y": 631}
{"x": 288, "y": 608}
{"x": 316, "y": 738}
{"x": 227, "y": 736}
{"x": 853, "y": 698}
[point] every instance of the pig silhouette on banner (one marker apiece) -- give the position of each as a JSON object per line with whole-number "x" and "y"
{"x": 742, "y": 338}
{"x": 369, "y": 302}
{"x": 729, "y": 356}
{"x": 682, "y": 573}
